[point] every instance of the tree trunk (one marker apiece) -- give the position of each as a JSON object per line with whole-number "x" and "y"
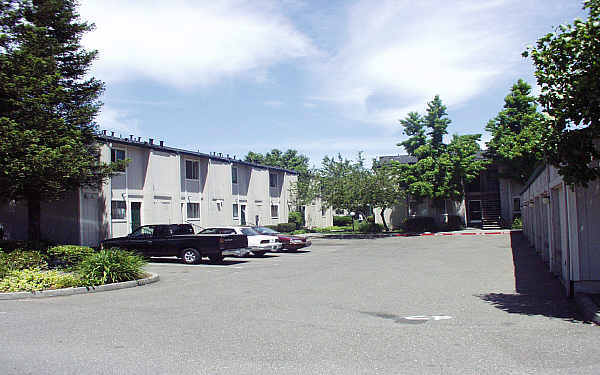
{"x": 33, "y": 218}
{"x": 383, "y": 220}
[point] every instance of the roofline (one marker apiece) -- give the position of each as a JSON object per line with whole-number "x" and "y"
{"x": 538, "y": 171}
{"x": 133, "y": 142}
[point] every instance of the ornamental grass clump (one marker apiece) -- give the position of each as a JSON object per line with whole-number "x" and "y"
{"x": 30, "y": 280}
{"x": 111, "y": 266}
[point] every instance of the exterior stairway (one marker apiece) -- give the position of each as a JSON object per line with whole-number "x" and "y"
{"x": 490, "y": 214}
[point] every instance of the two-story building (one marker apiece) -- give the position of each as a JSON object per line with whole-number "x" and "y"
{"x": 161, "y": 185}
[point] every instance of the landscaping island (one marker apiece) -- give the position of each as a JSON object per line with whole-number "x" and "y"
{"x": 35, "y": 268}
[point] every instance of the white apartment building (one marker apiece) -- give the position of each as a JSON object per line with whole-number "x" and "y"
{"x": 161, "y": 185}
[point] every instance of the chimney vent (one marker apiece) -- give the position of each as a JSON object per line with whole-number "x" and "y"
{"x": 104, "y": 131}
{"x": 139, "y": 139}
{"x": 131, "y": 137}
{"x": 112, "y": 134}
{"x": 162, "y": 143}
{"x": 151, "y": 141}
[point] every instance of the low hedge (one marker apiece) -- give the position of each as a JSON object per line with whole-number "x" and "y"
{"x": 11, "y": 245}
{"x": 419, "y": 224}
{"x": 342, "y": 221}
{"x": 297, "y": 218}
{"x": 21, "y": 259}
{"x": 454, "y": 223}
{"x": 368, "y": 227}
{"x": 286, "y": 227}
{"x": 30, "y": 280}
{"x": 68, "y": 256}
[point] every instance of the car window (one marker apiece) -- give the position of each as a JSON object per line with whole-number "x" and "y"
{"x": 143, "y": 231}
{"x": 265, "y": 230}
{"x": 182, "y": 229}
{"x": 210, "y": 231}
{"x": 227, "y": 231}
{"x": 249, "y": 232}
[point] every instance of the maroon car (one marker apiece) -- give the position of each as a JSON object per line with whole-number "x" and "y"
{"x": 290, "y": 243}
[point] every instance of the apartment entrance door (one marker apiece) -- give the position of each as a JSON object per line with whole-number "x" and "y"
{"x": 243, "y": 214}
{"x": 136, "y": 215}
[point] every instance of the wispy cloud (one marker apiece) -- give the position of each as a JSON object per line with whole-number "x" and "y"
{"x": 399, "y": 54}
{"x": 119, "y": 121}
{"x": 186, "y": 43}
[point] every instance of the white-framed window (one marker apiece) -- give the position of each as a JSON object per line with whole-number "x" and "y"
{"x": 117, "y": 154}
{"x": 118, "y": 210}
{"x": 273, "y": 180}
{"x": 236, "y": 211}
{"x": 192, "y": 170}
{"x": 193, "y": 210}
{"x": 323, "y": 210}
{"x": 234, "y": 175}
{"x": 274, "y": 211}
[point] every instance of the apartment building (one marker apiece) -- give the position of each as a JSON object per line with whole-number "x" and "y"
{"x": 161, "y": 185}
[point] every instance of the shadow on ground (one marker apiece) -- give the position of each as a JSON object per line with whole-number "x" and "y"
{"x": 538, "y": 292}
{"x": 225, "y": 262}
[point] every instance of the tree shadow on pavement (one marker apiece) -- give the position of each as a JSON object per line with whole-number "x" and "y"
{"x": 538, "y": 292}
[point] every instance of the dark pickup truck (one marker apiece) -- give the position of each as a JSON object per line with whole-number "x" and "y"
{"x": 179, "y": 240}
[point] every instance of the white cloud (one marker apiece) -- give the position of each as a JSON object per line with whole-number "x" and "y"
{"x": 119, "y": 121}
{"x": 399, "y": 54}
{"x": 187, "y": 43}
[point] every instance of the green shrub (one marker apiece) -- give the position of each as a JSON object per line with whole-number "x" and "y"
{"x": 332, "y": 229}
{"x": 367, "y": 227}
{"x": 111, "y": 266}
{"x": 342, "y": 221}
{"x": 11, "y": 245}
{"x": 419, "y": 224}
{"x": 517, "y": 223}
{"x": 30, "y": 280}
{"x": 300, "y": 231}
{"x": 297, "y": 218}
{"x": 371, "y": 219}
{"x": 22, "y": 259}
{"x": 69, "y": 256}
{"x": 286, "y": 227}
{"x": 454, "y": 223}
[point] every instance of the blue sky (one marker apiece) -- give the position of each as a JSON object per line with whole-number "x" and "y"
{"x": 321, "y": 77}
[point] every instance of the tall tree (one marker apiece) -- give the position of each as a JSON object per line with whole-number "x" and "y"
{"x": 47, "y": 105}
{"x": 441, "y": 170}
{"x": 518, "y": 134}
{"x": 567, "y": 66}
{"x": 383, "y": 188}
{"x": 305, "y": 190}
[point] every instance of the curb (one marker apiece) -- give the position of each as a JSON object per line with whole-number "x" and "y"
{"x": 587, "y": 308}
{"x": 81, "y": 290}
{"x": 385, "y": 235}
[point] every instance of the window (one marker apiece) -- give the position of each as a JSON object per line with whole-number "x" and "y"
{"x": 272, "y": 179}
{"x": 274, "y": 211}
{"x": 143, "y": 232}
{"x": 323, "y": 211}
{"x": 118, "y": 210}
{"x": 517, "y": 204}
{"x": 234, "y": 176}
{"x": 193, "y": 210}
{"x": 192, "y": 170}
{"x": 117, "y": 155}
{"x": 236, "y": 212}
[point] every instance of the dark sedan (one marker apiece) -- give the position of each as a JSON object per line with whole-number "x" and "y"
{"x": 289, "y": 242}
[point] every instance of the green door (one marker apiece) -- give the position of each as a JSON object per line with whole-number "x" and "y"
{"x": 136, "y": 215}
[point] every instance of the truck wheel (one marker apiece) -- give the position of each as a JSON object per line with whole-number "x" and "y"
{"x": 259, "y": 253}
{"x": 216, "y": 258}
{"x": 190, "y": 256}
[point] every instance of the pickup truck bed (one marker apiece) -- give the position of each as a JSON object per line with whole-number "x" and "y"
{"x": 178, "y": 240}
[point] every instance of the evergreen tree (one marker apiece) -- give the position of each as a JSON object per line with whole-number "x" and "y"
{"x": 47, "y": 105}
{"x": 518, "y": 134}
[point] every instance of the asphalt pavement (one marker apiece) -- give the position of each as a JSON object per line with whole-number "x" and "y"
{"x": 404, "y": 305}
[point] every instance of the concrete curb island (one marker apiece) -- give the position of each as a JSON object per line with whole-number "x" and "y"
{"x": 588, "y": 308}
{"x": 82, "y": 289}
{"x": 344, "y": 236}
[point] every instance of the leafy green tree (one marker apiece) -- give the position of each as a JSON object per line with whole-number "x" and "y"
{"x": 343, "y": 184}
{"x": 383, "y": 188}
{"x": 518, "y": 134}
{"x": 567, "y": 66}
{"x": 441, "y": 170}
{"x": 47, "y": 105}
{"x": 305, "y": 190}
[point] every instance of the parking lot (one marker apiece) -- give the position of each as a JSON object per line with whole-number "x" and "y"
{"x": 422, "y": 305}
